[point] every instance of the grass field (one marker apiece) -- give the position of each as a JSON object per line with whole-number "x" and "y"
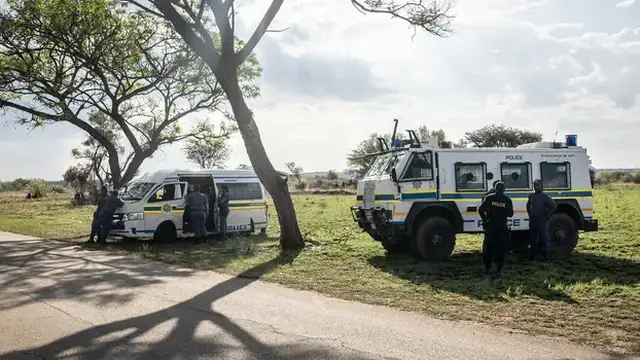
{"x": 591, "y": 297}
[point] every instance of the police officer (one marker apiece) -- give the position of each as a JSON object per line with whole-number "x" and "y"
{"x": 198, "y": 206}
{"x": 494, "y": 211}
{"x": 95, "y": 224}
{"x": 223, "y": 205}
{"x": 105, "y": 218}
{"x": 491, "y": 191}
{"x": 540, "y": 207}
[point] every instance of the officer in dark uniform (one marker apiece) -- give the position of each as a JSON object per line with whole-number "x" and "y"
{"x": 198, "y": 206}
{"x": 491, "y": 191}
{"x": 95, "y": 224}
{"x": 540, "y": 207}
{"x": 223, "y": 205}
{"x": 494, "y": 211}
{"x": 105, "y": 218}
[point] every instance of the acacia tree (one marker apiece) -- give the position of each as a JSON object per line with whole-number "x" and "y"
{"x": 94, "y": 156}
{"x": 501, "y": 136}
{"x": 210, "y": 149}
{"x": 61, "y": 60}
{"x": 295, "y": 170}
{"x": 188, "y": 19}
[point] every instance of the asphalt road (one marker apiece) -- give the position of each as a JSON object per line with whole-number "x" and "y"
{"x": 64, "y": 301}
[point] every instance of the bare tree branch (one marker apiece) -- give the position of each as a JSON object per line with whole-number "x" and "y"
{"x": 258, "y": 33}
{"x": 433, "y": 17}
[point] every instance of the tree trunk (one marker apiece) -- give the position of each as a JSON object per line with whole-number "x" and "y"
{"x": 290, "y": 237}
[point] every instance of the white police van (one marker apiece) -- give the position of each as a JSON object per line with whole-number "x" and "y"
{"x": 418, "y": 196}
{"x": 154, "y": 203}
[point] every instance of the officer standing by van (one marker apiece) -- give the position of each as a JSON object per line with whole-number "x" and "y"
{"x": 198, "y": 206}
{"x": 95, "y": 224}
{"x": 223, "y": 205}
{"x": 105, "y": 219}
{"x": 495, "y": 211}
{"x": 540, "y": 207}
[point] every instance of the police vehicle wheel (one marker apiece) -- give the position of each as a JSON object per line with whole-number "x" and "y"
{"x": 435, "y": 239}
{"x": 395, "y": 248}
{"x": 563, "y": 234}
{"x": 165, "y": 233}
{"x": 519, "y": 241}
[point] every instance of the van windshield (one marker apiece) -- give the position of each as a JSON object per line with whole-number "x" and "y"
{"x": 135, "y": 191}
{"x": 384, "y": 163}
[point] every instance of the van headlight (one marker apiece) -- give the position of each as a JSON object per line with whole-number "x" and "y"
{"x": 133, "y": 216}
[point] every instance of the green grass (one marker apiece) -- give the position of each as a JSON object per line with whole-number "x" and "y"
{"x": 591, "y": 297}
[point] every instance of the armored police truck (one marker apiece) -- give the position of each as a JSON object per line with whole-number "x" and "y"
{"x": 418, "y": 196}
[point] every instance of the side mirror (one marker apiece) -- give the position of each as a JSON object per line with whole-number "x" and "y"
{"x": 394, "y": 175}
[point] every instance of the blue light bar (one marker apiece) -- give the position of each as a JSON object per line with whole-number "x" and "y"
{"x": 571, "y": 140}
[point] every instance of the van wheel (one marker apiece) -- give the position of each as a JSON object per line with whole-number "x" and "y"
{"x": 563, "y": 234}
{"x": 434, "y": 240}
{"x": 165, "y": 233}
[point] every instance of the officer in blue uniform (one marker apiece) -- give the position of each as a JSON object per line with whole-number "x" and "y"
{"x": 223, "y": 204}
{"x": 495, "y": 211}
{"x": 198, "y": 206}
{"x": 105, "y": 218}
{"x": 95, "y": 224}
{"x": 540, "y": 207}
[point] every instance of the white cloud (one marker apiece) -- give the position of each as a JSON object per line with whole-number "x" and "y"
{"x": 625, "y": 3}
{"x": 566, "y": 66}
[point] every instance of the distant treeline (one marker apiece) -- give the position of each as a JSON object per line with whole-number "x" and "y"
{"x": 610, "y": 177}
{"x": 37, "y": 187}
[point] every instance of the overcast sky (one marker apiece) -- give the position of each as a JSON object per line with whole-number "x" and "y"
{"x": 565, "y": 66}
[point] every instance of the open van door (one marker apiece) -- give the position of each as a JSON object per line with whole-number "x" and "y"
{"x": 207, "y": 186}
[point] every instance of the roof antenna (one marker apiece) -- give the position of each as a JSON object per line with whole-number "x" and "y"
{"x": 555, "y": 145}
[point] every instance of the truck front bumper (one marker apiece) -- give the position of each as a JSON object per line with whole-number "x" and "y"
{"x": 591, "y": 225}
{"x": 377, "y": 221}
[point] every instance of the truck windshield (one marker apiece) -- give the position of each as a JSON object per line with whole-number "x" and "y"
{"x": 135, "y": 191}
{"x": 384, "y": 163}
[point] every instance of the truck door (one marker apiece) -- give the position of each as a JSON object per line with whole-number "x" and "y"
{"x": 418, "y": 180}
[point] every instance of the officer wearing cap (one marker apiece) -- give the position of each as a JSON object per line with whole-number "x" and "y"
{"x": 495, "y": 210}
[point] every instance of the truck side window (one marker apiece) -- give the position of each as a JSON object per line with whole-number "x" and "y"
{"x": 471, "y": 177}
{"x": 420, "y": 167}
{"x": 555, "y": 175}
{"x": 516, "y": 176}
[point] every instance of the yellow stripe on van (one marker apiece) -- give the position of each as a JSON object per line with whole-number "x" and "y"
{"x": 247, "y": 208}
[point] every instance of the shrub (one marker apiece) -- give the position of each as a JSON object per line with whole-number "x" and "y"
{"x": 300, "y": 185}
{"x": 59, "y": 189}
{"x": 39, "y": 188}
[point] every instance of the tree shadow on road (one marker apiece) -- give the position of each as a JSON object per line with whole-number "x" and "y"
{"x": 138, "y": 337}
{"x": 463, "y": 273}
{"x": 87, "y": 279}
